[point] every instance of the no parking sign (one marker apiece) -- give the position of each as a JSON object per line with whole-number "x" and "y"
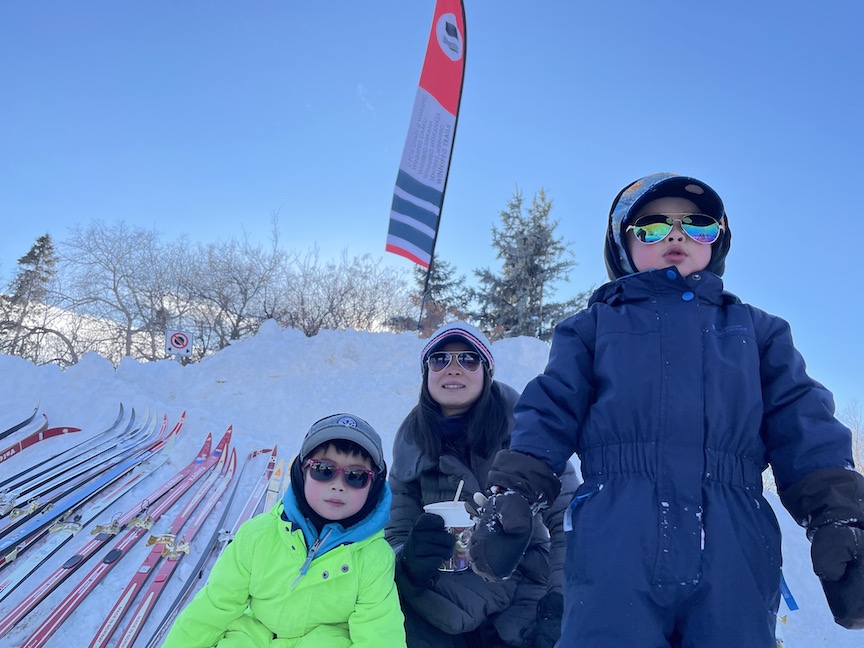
{"x": 178, "y": 343}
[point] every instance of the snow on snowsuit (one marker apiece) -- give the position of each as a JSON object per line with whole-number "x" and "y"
{"x": 675, "y": 395}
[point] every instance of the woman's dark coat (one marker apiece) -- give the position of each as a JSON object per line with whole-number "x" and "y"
{"x": 459, "y": 602}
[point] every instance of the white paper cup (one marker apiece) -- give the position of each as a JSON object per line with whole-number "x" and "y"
{"x": 458, "y": 522}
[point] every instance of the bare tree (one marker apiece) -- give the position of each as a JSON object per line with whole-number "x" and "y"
{"x": 353, "y": 293}
{"x": 233, "y": 289}
{"x": 105, "y": 268}
{"x": 118, "y": 289}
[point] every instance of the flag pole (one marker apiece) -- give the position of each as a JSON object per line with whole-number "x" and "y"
{"x": 425, "y": 288}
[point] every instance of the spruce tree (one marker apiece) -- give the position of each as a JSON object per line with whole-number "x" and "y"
{"x": 28, "y": 288}
{"x": 35, "y": 270}
{"x": 446, "y": 295}
{"x": 517, "y": 299}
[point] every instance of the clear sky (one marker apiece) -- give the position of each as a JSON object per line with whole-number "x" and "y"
{"x": 204, "y": 118}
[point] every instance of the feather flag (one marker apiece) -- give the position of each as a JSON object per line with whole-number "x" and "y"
{"x": 422, "y": 178}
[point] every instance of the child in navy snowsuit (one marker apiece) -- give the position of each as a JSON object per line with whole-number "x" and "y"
{"x": 676, "y": 396}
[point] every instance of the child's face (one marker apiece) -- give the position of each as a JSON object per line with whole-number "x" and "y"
{"x": 335, "y": 500}
{"x": 677, "y": 249}
{"x": 455, "y": 389}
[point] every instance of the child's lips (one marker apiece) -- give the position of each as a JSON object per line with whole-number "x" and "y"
{"x": 675, "y": 253}
{"x": 333, "y": 502}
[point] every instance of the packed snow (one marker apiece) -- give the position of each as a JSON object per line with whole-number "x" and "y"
{"x": 271, "y": 388}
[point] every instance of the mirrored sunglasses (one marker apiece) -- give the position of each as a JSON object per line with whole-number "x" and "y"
{"x": 322, "y": 470}
{"x": 653, "y": 228}
{"x": 468, "y": 360}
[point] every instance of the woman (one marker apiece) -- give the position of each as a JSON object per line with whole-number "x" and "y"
{"x": 462, "y": 420}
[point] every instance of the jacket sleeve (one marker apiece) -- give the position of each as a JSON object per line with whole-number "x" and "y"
{"x": 799, "y": 428}
{"x": 553, "y": 406}
{"x": 405, "y": 508}
{"x": 377, "y": 618}
{"x": 223, "y": 598}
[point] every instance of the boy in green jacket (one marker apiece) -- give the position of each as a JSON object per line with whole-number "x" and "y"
{"x": 316, "y": 570}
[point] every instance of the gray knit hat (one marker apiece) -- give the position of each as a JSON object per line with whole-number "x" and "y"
{"x": 459, "y": 331}
{"x": 344, "y": 426}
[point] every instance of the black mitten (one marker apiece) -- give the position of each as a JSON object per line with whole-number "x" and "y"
{"x": 427, "y": 546}
{"x": 521, "y": 485}
{"x": 500, "y": 536}
{"x": 529, "y": 477}
{"x": 546, "y": 629}
{"x": 830, "y": 505}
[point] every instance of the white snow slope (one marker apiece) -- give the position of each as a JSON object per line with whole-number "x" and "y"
{"x": 271, "y": 388}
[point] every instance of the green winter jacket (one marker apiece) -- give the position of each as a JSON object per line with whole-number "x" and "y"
{"x": 256, "y": 595}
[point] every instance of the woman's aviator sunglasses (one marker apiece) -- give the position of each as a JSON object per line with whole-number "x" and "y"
{"x": 322, "y": 470}
{"x": 440, "y": 360}
{"x": 653, "y": 228}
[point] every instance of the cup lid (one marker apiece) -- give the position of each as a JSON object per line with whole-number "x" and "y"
{"x": 454, "y": 513}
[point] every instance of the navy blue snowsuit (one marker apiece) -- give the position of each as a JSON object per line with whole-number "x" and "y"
{"x": 676, "y": 396}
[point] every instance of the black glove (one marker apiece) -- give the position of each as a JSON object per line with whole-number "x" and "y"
{"x": 546, "y": 628}
{"x": 830, "y": 505}
{"x": 427, "y": 546}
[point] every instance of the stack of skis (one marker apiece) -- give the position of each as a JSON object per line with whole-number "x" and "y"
{"x": 45, "y": 504}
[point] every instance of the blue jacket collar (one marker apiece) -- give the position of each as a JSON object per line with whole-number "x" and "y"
{"x": 333, "y": 533}
{"x": 643, "y": 286}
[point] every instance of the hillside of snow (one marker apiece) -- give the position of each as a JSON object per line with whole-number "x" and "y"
{"x": 271, "y": 388}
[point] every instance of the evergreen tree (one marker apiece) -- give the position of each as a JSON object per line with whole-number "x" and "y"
{"x": 27, "y": 289}
{"x": 517, "y": 301}
{"x": 446, "y": 295}
{"x": 35, "y": 270}
{"x": 447, "y": 299}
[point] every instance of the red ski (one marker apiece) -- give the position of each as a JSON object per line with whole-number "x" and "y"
{"x": 137, "y": 524}
{"x": 35, "y": 521}
{"x": 105, "y": 533}
{"x": 34, "y": 438}
{"x": 173, "y": 550}
{"x": 73, "y": 521}
{"x": 136, "y": 583}
{"x": 221, "y": 537}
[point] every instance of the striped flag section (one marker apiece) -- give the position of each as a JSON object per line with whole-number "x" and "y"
{"x": 422, "y": 178}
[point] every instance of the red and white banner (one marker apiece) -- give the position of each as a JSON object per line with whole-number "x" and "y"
{"x": 422, "y": 178}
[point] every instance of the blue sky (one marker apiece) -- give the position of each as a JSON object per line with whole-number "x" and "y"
{"x": 204, "y": 118}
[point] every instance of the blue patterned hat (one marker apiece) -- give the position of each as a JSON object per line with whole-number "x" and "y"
{"x": 661, "y": 185}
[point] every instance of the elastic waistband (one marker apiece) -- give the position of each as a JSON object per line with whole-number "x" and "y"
{"x": 642, "y": 458}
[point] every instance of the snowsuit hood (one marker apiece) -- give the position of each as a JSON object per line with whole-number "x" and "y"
{"x": 659, "y": 185}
